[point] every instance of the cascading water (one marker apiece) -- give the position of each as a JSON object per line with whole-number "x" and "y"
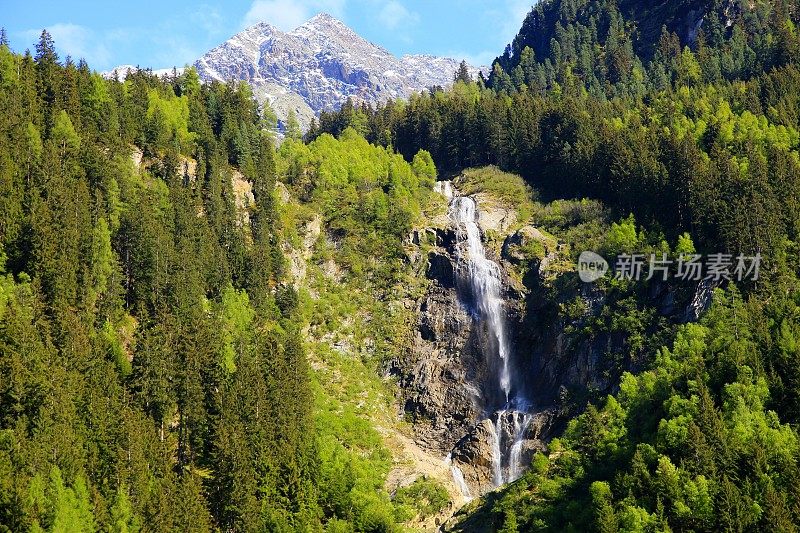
{"x": 521, "y": 423}
{"x": 445, "y": 188}
{"x": 485, "y": 281}
{"x": 497, "y": 453}
{"x": 458, "y": 478}
{"x": 481, "y": 277}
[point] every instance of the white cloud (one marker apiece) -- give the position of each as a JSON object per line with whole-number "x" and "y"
{"x": 208, "y": 18}
{"x": 516, "y": 10}
{"x": 283, "y": 14}
{"x": 175, "y": 51}
{"x": 75, "y": 41}
{"x": 288, "y": 14}
{"x": 394, "y": 15}
{"x": 508, "y": 16}
{"x": 173, "y": 48}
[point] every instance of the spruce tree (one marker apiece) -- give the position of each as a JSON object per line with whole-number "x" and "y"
{"x": 463, "y": 74}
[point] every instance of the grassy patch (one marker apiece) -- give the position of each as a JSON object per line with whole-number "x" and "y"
{"x": 424, "y": 498}
{"x": 509, "y": 189}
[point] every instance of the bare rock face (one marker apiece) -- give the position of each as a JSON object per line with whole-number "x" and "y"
{"x": 518, "y": 246}
{"x": 493, "y": 215}
{"x": 437, "y": 385}
{"x": 449, "y": 388}
{"x": 515, "y": 244}
{"x": 473, "y": 455}
{"x": 447, "y": 379}
{"x": 441, "y": 269}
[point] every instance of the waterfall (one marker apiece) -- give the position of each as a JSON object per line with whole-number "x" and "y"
{"x": 445, "y": 188}
{"x": 458, "y": 477}
{"x": 521, "y": 423}
{"x": 483, "y": 279}
{"x": 497, "y": 454}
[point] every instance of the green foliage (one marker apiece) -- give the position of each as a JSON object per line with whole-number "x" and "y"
{"x": 122, "y": 518}
{"x": 153, "y": 374}
{"x": 34, "y": 141}
{"x": 60, "y": 507}
{"x": 8, "y": 71}
{"x": 149, "y": 379}
{"x": 237, "y": 318}
{"x": 590, "y": 45}
{"x": 424, "y": 167}
{"x": 509, "y": 189}
{"x": 426, "y": 495}
{"x": 293, "y": 127}
{"x": 369, "y": 196}
{"x": 661, "y": 454}
{"x": 689, "y": 153}
{"x": 622, "y": 237}
{"x": 369, "y": 199}
{"x": 168, "y": 119}
{"x": 353, "y": 464}
{"x": 63, "y": 135}
{"x": 111, "y": 342}
{"x": 102, "y": 261}
{"x": 685, "y": 245}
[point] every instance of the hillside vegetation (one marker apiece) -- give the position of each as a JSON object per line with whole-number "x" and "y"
{"x": 690, "y": 140}
{"x": 194, "y": 326}
{"x": 162, "y": 365}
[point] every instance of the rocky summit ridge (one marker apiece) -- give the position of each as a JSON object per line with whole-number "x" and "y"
{"x": 318, "y": 66}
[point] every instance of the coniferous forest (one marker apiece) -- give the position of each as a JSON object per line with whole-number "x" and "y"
{"x": 163, "y": 365}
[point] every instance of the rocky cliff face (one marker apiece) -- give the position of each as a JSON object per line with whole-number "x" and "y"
{"x": 447, "y": 379}
{"x": 444, "y": 380}
{"x": 439, "y": 380}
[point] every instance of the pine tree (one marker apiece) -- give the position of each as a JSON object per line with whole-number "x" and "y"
{"x": 293, "y": 127}
{"x": 123, "y": 519}
{"x": 463, "y": 74}
{"x": 47, "y": 82}
{"x": 604, "y": 517}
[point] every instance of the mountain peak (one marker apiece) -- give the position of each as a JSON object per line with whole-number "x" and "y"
{"x": 258, "y": 31}
{"x": 319, "y": 65}
{"x": 263, "y": 26}
{"x": 324, "y": 24}
{"x": 324, "y": 18}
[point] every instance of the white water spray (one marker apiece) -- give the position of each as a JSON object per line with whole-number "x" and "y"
{"x": 458, "y": 477}
{"x": 485, "y": 282}
{"x": 484, "y": 275}
{"x": 497, "y": 453}
{"x": 445, "y": 188}
{"x": 521, "y": 423}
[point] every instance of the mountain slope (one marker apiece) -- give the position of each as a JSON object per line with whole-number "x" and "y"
{"x": 318, "y": 66}
{"x": 602, "y": 42}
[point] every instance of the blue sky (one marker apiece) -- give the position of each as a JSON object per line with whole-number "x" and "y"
{"x": 163, "y": 34}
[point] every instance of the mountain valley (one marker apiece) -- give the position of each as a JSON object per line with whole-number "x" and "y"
{"x": 381, "y": 320}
